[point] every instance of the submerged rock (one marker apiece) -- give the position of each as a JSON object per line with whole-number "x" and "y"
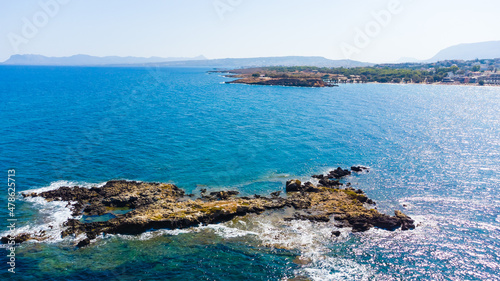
{"x": 359, "y": 168}
{"x": 302, "y": 260}
{"x": 161, "y": 205}
{"x": 336, "y": 233}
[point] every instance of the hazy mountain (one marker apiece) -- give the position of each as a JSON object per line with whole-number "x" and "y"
{"x": 86, "y": 60}
{"x": 406, "y": 59}
{"x": 267, "y": 61}
{"x": 471, "y": 51}
{"x": 200, "y": 61}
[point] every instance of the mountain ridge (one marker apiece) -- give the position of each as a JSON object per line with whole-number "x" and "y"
{"x": 464, "y": 51}
{"x": 200, "y": 61}
{"x": 87, "y": 60}
{"x": 469, "y": 51}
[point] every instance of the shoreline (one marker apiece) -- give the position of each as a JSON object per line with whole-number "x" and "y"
{"x": 431, "y": 84}
{"x": 310, "y": 79}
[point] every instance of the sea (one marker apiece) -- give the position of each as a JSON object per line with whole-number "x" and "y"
{"x": 433, "y": 152}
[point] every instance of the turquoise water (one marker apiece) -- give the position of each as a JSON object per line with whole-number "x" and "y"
{"x": 434, "y": 153}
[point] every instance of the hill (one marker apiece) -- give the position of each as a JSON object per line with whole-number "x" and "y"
{"x": 268, "y": 61}
{"x": 86, "y": 60}
{"x": 471, "y": 51}
{"x": 200, "y": 61}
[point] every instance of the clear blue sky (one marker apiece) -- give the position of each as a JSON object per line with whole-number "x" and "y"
{"x": 245, "y": 28}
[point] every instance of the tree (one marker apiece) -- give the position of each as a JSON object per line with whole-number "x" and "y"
{"x": 481, "y": 82}
{"x": 476, "y": 68}
{"x": 416, "y": 79}
{"x": 256, "y": 75}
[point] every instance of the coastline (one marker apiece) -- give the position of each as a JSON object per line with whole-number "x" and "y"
{"x": 309, "y": 82}
{"x": 308, "y": 76}
{"x": 432, "y": 84}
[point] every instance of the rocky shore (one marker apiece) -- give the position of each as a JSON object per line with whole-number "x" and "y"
{"x": 290, "y": 82}
{"x": 260, "y": 76}
{"x": 161, "y": 205}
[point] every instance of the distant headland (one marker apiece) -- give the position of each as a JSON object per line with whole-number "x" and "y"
{"x": 448, "y": 72}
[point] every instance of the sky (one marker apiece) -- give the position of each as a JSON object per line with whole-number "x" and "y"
{"x": 364, "y": 30}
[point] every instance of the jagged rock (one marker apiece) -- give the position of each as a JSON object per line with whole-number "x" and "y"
{"x": 358, "y": 168}
{"x": 276, "y": 193}
{"x": 317, "y": 176}
{"x": 338, "y": 173}
{"x": 336, "y": 233}
{"x": 310, "y": 217}
{"x": 95, "y": 209}
{"x": 365, "y": 221}
{"x": 18, "y": 238}
{"x": 160, "y": 205}
{"x": 293, "y": 186}
{"x": 224, "y": 194}
{"x": 83, "y": 243}
{"x": 329, "y": 183}
{"x": 406, "y": 222}
{"x": 23, "y": 237}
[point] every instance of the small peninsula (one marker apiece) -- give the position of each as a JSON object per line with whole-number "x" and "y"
{"x": 448, "y": 72}
{"x": 147, "y": 206}
{"x": 271, "y": 76}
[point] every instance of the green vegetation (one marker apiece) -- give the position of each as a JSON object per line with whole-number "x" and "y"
{"x": 456, "y": 71}
{"x": 385, "y": 73}
{"x": 371, "y": 74}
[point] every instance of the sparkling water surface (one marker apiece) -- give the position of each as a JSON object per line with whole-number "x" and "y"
{"x": 434, "y": 153}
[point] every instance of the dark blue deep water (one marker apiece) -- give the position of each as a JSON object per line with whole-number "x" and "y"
{"x": 434, "y": 153}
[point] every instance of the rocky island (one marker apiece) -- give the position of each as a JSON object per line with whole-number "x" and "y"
{"x": 267, "y": 76}
{"x": 162, "y": 205}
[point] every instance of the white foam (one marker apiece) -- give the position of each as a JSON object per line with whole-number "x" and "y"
{"x": 57, "y": 184}
{"x": 313, "y": 241}
{"x": 302, "y": 235}
{"x": 223, "y": 230}
{"x": 226, "y": 231}
{"x": 333, "y": 268}
{"x": 52, "y": 216}
{"x": 152, "y": 234}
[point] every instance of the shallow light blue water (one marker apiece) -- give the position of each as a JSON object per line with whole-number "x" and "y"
{"x": 434, "y": 152}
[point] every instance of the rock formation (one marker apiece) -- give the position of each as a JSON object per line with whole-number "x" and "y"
{"x": 161, "y": 205}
